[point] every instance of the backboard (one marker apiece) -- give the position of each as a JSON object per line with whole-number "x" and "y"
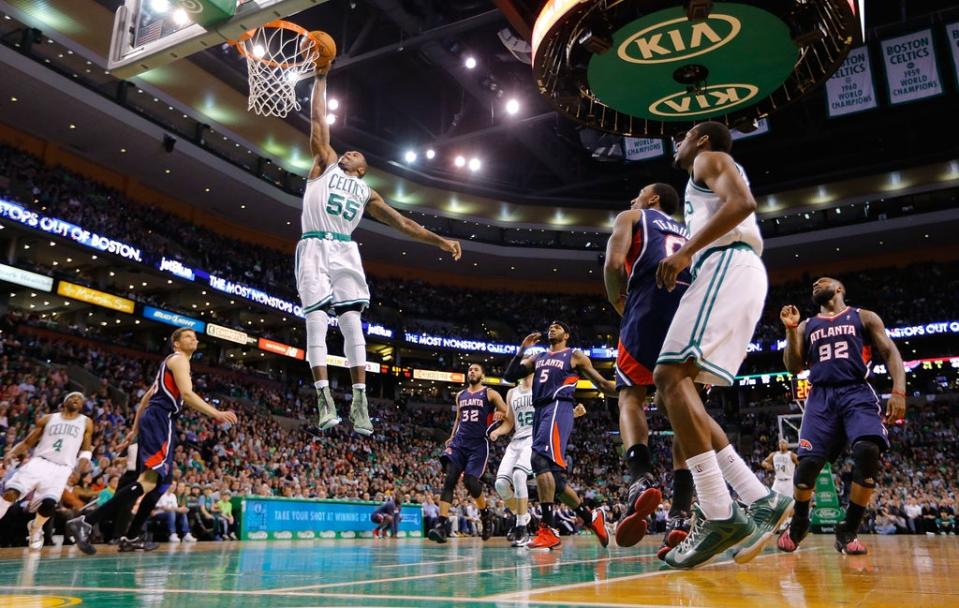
{"x": 150, "y": 33}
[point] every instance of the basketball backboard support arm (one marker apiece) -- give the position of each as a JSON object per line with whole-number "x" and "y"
{"x": 134, "y": 50}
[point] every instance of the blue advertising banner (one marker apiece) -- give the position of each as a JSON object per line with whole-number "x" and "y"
{"x": 271, "y": 518}
{"x": 173, "y": 318}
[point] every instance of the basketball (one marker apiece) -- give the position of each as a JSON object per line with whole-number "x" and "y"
{"x": 326, "y": 48}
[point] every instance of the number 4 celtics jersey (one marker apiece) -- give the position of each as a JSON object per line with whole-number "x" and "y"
{"x": 61, "y": 439}
{"x": 334, "y": 202}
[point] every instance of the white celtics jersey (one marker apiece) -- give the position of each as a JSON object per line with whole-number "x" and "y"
{"x": 334, "y": 202}
{"x": 702, "y": 204}
{"x": 521, "y": 402}
{"x": 61, "y": 439}
{"x": 783, "y": 465}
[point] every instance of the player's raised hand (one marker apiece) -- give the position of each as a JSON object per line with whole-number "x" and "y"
{"x": 530, "y": 340}
{"x": 789, "y": 315}
{"x": 670, "y": 267}
{"x": 895, "y": 408}
{"x": 579, "y": 410}
{"x": 227, "y": 416}
{"x": 453, "y": 248}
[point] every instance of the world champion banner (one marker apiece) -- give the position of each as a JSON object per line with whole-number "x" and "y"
{"x": 851, "y": 89}
{"x": 911, "y": 70}
{"x": 637, "y": 148}
{"x": 952, "y": 34}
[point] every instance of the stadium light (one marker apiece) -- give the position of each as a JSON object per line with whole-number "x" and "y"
{"x": 512, "y": 107}
{"x": 431, "y": 154}
{"x": 475, "y": 164}
{"x": 159, "y": 6}
{"x": 259, "y": 51}
{"x": 410, "y": 156}
{"x": 333, "y": 104}
{"x": 180, "y": 17}
{"x": 459, "y": 161}
{"x": 470, "y": 62}
{"x": 330, "y": 119}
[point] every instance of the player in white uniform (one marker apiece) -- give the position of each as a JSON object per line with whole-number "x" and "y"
{"x": 783, "y": 462}
{"x": 329, "y": 273}
{"x": 58, "y": 441}
{"x": 707, "y": 342}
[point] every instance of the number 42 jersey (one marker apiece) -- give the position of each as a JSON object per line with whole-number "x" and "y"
{"x": 334, "y": 202}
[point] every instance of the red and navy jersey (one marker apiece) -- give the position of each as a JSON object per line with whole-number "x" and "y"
{"x": 167, "y": 395}
{"x": 655, "y": 236}
{"x": 837, "y": 349}
{"x": 554, "y": 378}
{"x": 475, "y": 416}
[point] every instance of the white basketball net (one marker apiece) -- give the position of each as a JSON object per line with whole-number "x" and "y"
{"x": 275, "y": 62}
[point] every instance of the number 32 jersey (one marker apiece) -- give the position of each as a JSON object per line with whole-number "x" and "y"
{"x": 334, "y": 202}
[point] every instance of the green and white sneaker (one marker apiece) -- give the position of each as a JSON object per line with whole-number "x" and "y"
{"x": 359, "y": 413}
{"x": 709, "y": 537}
{"x": 768, "y": 513}
{"x": 324, "y": 400}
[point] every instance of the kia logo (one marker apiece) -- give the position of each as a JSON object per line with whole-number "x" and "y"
{"x": 679, "y": 39}
{"x": 710, "y": 100}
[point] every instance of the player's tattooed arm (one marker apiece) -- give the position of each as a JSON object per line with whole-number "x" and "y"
{"x": 320, "y": 148}
{"x": 381, "y": 211}
{"x": 795, "y": 330}
{"x": 874, "y": 328}
{"x": 520, "y": 367}
{"x": 614, "y": 268}
{"x": 29, "y": 442}
{"x": 584, "y": 366}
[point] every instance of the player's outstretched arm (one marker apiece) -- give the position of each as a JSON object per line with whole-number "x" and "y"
{"x": 718, "y": 171}
{"x": 520, "y": 367}
{"x": 379, "y": 210}
{"x": 795, "y": 330}
{"x": 181, "y": 375}
{"x": 614, "y": 268}
{"x": 29, "y": 442}
{"x": 320, "y": 148}
{"x": 876, "y": 330}
{"x": 584, "y": 366}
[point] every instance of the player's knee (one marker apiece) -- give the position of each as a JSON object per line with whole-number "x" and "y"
{"x": 11, "y": 495}
{"x": 666, "y": 377}
{"x": 807, "y": 470}
{"x": 473, "y": 485}
{"x": 48, "y": 507}
{"x": 559, "y": 480}
{"x": 865, "y": 457}
{"x": 519, "y": 484}
{"x": 148, "y": 480}
{"x": 504, "y": 488}
{"x": 541, "y": 464}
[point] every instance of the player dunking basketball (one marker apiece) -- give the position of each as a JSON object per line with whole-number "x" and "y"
{"x": 467, "y": 449}
{"x": 156, "y": 435}
{"x": 842, "y": 407}
{"x": 555, "y": 374}
{"x": 642, "y": 237}
{"x": 58, "y": 441}
{"x": 329, "y": 272}
{"x": 707, "y": 342}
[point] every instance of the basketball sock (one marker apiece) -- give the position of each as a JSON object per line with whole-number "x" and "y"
{"x": 548, "y": 514}
{"x": 714, "y": 498}
{"x": 522, "y": 519}
{"x": 585, "y": 514}
{"x": 638, "y": 461}
{"x": 359, "y": 387}
{"x": 4, "y": 505}
{"x": 682, "y": 493}
{"x": 38, "y": 521}
{"x": 740, "y": 476}
{"x": 854, "y": 515}
{"x": 124, "y": 499}
{"x": 149, "y": 501}
{"x": 801, "y": 510}
{"x": 317, "y": 323}
{"x": 321, "y": 384}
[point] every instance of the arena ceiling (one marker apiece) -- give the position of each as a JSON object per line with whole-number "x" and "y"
{"x": 403, "y": 85}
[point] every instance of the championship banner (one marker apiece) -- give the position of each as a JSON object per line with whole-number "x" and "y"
{"x": 911, "y": 71}
{"x": 95, "y": 297}
{"x": 851, "y": 89}
{"x": 952, "y": 34}
{"x": 762, "y": 127}
{"x": 637, "y": 148}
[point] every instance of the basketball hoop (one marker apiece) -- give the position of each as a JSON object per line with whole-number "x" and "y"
{"x": 278, "y": 55}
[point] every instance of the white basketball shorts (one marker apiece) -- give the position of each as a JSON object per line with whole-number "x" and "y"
{"x": 718, "y": 313}
{"x": 783, "y": 486}
{"x": 329, "y": 273}
{"x": 44, "y": 478}
{"x": 517, "y": 456}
